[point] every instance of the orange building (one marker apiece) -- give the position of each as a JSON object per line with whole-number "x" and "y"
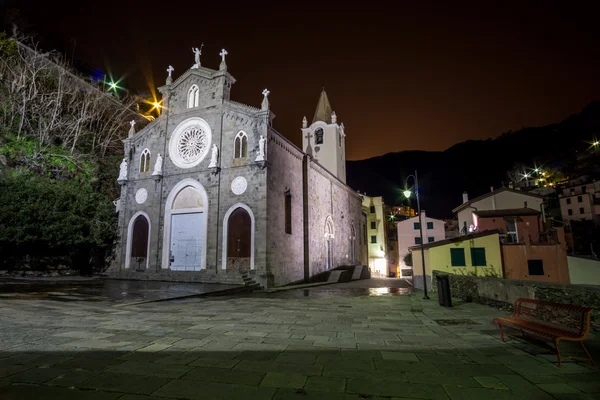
{"x": 528, "y": 252}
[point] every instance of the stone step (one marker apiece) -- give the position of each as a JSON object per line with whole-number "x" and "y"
{"x": 334, "y": 276}
{"x": 357, "y": 272}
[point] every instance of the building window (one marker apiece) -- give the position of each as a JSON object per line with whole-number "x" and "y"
{"x": 583, "y": 189}
{"x": 478, "y": 257}
{"x": 373, "y": 225}
{"x": 525, "y": 204}
{"x": 193, "y": 95}
{"x": 145, "y": 161}
{"x": 372, "y": 209}
{"x": 570, "y": 212}
{"x": 240, "y": 148}
{"x": 373, "y": 239}
{"x": 288, "y": 212}
{"x": 417, "y": 240}
{"x": 457, "y": 257}
{"x": 581, "y": 210}
{"x": 535, "y": 267}
{"x": 430, "y": 225}
{"x": 580, "y": 199}
{"x": 569, "y": 200}
{"x": 416, "y": 225}
{"x": 319, "y": 136}
{"x": 430, "y": 239}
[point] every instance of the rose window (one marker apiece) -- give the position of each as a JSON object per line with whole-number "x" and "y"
{"x": 192, "y": 144}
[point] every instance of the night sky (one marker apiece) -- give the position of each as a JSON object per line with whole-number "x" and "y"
{"x": 400, "y": 75}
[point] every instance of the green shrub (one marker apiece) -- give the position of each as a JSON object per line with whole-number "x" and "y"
{"x": 47, "y": 222}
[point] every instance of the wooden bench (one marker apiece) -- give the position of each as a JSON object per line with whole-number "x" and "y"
{"x": 550, "y": 322}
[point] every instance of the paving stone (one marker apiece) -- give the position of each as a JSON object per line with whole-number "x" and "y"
{"x": 309, "y": 394}
{"x": 189, "y": 389}
{"x": 283, "y": 380}
{"x": 490, "y": 382}
{"x": 36, "y": 375}
{"x": 522, "y": 387}
{"x": 472, "y": 369}
{"x": 52, "y": 393}
{"x": 125, "y": 383}
{"x": 176, "y": 359}
{"x": 266, "y": 366}
{"x": 325, "y": 384}
{"x": 589, "y": 386}
{"x": 89, "y": 364}
{"x": 467, "y": 393}
{"x": 439, "y": 379}
{"x": 398, "y": 365}
{"x": 154, "y": 347}
{"x": 6, "y": 371}
{"x": 543, "y": 378}
{"x": 386, "y": 388}
{"x": 72, "y": 378}
{"x": 558, "y": 388}
{"x": 150, "y": 369}
{"x": 221, "y": 375}
{"x": 397, "y": 355}
{"x": 296, "y": 358}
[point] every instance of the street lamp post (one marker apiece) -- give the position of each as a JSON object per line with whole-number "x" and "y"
{"x": 407, "y": 194}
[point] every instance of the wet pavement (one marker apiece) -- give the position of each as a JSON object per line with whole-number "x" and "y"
{"x": 354, "y": 341}
{"x": 102, "y": 290}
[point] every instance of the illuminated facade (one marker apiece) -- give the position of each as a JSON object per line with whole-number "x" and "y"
{"x": 376, "y": 235}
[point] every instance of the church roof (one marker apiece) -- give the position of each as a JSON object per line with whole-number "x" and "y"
{"x": 323, "y": 111}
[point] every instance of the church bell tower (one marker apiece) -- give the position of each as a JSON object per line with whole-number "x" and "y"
{"x": 325, "y": 140}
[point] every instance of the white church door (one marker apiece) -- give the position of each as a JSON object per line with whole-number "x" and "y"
{"x": 186, "y": 227}
{"x": 186, "y": 242}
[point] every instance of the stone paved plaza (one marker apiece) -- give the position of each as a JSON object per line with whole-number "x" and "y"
{"x": 333, "y": 342}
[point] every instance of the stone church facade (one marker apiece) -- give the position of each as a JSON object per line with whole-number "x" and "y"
{"x": 211, "y": 192}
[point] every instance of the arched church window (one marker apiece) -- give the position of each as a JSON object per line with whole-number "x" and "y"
{"x": 145, "y": 161}
{"x": 193, "y": 94}
{"x": 240, "y": 148}
{"x": 319, "y": 136}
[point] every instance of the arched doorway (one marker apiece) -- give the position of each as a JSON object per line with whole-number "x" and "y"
{"x": 138, "y": 242}
{"x": 238, "y": 238}
{"x": 329, "y": 243}
{"x": 185, "y": 231}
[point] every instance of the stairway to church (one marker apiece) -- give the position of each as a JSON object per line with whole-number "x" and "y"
{"x": 358, "y": 272}
{"x": 250, "y": 283}
{"x": 334, "y": 276}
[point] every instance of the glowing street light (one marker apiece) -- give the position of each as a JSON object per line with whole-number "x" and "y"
{"x": 407, "y": 194}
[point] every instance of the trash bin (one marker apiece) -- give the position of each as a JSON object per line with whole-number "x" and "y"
{"x": 443, "y": 287}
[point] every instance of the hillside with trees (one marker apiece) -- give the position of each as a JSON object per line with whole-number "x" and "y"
{"x": 565, "y": 148}
{"x": 60, "y": 147}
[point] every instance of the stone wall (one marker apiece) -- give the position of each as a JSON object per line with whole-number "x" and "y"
{"x": 285, "y": 252}
{"x": 330, "y": 198}
{"x": 502, "y": 293}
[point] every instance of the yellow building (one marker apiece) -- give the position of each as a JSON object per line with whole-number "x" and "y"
{"x": 376, "y": 235}
{"x": 476, "y": 254}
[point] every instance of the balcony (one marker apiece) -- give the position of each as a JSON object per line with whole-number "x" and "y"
{"x": 549, "y": 237}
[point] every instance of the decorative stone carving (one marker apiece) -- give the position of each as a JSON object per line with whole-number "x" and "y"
{"x": 132, "y": 129}
{"x": 158, "y": 166}
{"x": 214, "y": 157}
{"x": 190, "y": 142}
{"x": 141, "y": 195}
{"x": 265, "y": 102}
{"x": 223, "y": 65}
{"x": 333, "y": 118}
{"x": 261, "y": 149}
{"x": 170, "y": 78}
{"x": 304, "y": 122}
{"x": 122, "y": 172}
{"x": 239, "y": 185}
{"x": 197, "y": 52}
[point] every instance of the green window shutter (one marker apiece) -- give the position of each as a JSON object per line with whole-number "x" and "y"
{"x": 457, "y": 257}
{"x": 478, "y": 257}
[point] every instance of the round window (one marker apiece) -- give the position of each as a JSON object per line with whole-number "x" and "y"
{"x": 190, "y": 142}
